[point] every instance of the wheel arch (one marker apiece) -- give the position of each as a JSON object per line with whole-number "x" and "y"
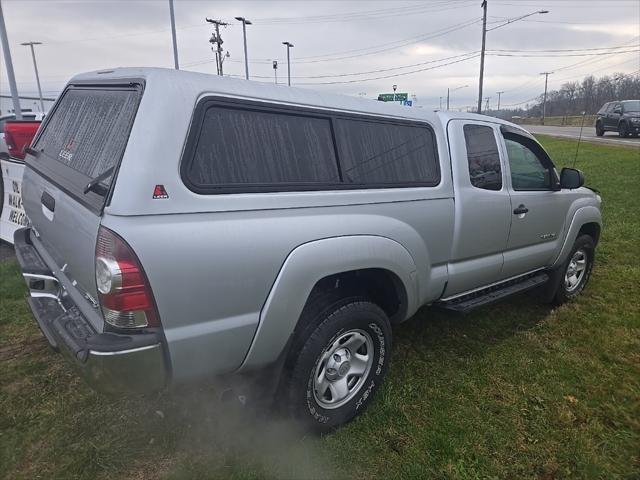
{"x": 587, "y": 220}
{"x": 362, "y": 260}
{"x": 592, "y": 229}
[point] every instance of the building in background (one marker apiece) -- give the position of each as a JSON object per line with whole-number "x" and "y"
{"x": 27, "y": 103}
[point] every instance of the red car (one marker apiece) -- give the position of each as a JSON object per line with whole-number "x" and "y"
{"x": 15, "y": 136}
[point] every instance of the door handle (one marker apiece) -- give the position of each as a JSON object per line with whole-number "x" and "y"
{"x": 48, "y": 201}
{"x": 520, "y": 210}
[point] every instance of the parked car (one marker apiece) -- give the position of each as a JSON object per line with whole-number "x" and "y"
{"x": 622, "y": 117}
{"x": 26, "y": 116}
{"x": 185, "y": 226}
{"x": 15, "y": 136}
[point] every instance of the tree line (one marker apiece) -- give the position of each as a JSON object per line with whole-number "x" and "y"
{"x": 573, "y": 98}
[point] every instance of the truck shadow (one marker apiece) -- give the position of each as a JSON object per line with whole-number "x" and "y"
{"x": 434, "y": 328}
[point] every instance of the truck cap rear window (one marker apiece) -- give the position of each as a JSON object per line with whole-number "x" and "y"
{"x": 85, "y": 136}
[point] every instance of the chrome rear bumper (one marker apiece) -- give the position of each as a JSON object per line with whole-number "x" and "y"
{"x": 110, "y": 362}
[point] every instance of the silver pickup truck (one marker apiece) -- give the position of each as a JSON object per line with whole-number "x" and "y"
{"x": 186, "y": 226}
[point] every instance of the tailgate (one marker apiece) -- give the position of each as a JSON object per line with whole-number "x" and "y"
{"x": 84, "y": 136}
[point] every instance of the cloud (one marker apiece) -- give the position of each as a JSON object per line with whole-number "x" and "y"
{"x": 617, "y": 29}
{"x": 330, "y": 38}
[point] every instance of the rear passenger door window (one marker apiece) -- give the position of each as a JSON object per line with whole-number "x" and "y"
{"x": 243, "y": 147}
{"x": 483, "y": 157}
{"x": 380, "y": 153}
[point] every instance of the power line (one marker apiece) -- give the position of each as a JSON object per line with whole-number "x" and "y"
{"x": 392, "y": 76}
{"x": 359, "y": 16}
{"x": 559, "y": 56}
{"x": 555, "y": 4}
{"x": 558, "y": 50}
{"x": 592, "y": 60}
{"x": 364, "y": 51}
{"x": 389, "y": 69}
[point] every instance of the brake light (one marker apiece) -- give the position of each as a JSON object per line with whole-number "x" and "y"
{"x": 125, "y": 295}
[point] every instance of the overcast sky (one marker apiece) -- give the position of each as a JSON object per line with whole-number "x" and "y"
{"x": 334, "y": 39}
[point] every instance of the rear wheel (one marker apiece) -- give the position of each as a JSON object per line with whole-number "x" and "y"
{"x": 599, "y": 129}
{"x": 623, "y": 131}
{"x": 336, "y": 368}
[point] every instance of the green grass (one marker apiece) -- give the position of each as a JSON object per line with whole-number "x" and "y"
{"x": 560, "y": 121}
{"x": 517, "y": 390}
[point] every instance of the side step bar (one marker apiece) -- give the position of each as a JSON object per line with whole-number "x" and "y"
{"x": 467, "y": 303}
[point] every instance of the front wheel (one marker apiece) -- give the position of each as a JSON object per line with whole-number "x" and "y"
{"x": 623, "y": 131}
{"x": 340, "y": 365}
{"x": 599, "y": 129}
{"x": 570, "y": 279}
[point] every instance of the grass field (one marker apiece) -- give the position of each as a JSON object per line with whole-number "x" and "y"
{"x": 517, "y": 390}
{"x": 570, "y": 120}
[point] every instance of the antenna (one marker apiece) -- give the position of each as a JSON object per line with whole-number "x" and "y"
{"x": 579, "y": 138}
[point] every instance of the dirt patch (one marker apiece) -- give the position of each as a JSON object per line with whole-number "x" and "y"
{"x": 6, "y": 251}
{"x": 26, "y": 347}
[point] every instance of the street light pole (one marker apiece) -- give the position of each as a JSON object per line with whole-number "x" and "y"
{"x": 173, "y": 36}
{"x": 245, "y": 22}
{"x": 289, "y": 45}
{"x": 449, "y": 91}
{"x": 484, "y": 36}
{"x": 9, "y": 65}
{"x": 35, "y": 67}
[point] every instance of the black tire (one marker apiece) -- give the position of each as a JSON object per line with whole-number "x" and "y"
{"x": 623, "y": 131}
{"x": 312, "y": 353}
{"x": 562, "y": 292}
{"x": 599, "y": 129}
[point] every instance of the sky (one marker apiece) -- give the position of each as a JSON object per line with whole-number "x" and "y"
{"x": 351, "y": 47}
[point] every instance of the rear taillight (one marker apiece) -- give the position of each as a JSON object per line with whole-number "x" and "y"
{"x": 123, "y": 288}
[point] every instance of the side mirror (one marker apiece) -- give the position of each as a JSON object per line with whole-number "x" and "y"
{"x": 571, "y": 178}
{"x": 617, "y": 110}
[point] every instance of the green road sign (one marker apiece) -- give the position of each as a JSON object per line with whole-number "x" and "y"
{"x": 391, "y": 97}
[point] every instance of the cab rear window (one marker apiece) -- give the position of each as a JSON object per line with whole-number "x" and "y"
{"x": 85, "y": 136}
{"x": 89, "y": 129}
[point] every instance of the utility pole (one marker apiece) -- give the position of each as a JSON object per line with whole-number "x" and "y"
{"x": 275, "y": 70}
{"x": 216, "y": 40}
{"x": 7, "y": 60}
{"x": 448, "y": 98}
{"x": 289, "y": 45}
{"x": 499, "y": 93}
{"x": 35, "y": 67}
{"x": 245, "y": 22}
{"x": 440, "y": 103}
{"x": 544, "y": 101}
{"x": 486, "y": 107}
{"x": 484, "y": 38}
{"x": 173, "y": 36}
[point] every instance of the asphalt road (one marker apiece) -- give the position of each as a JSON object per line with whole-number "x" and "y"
{"x": 588, "y": 135}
